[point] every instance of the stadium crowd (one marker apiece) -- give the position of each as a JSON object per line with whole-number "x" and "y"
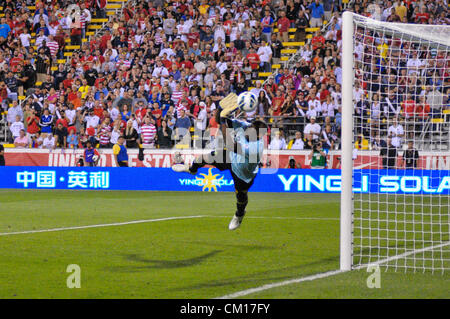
{"x": 158, "y": 71}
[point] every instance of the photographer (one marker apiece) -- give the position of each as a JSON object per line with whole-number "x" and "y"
{"x": 318, "y": 156}
{"x": 292, "y": 164}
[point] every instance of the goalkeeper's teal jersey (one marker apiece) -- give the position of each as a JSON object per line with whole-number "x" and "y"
{"x": 245, "y": 165}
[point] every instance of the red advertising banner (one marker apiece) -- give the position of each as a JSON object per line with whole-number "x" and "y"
{"x": 163, "y": 158}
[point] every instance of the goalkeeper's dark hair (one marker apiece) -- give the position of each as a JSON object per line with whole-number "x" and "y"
{"x": 260, "y": 126}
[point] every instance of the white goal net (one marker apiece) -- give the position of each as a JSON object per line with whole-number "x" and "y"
{"x": 399, "y": 129}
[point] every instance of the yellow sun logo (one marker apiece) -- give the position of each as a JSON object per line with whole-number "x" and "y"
{"x": 208, "y": 181}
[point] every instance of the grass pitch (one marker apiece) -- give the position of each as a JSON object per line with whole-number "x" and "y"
{"x": 187, "y": 250}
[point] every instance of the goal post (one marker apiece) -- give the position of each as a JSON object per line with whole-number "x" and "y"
{"x": 395, "y": 203}
{"x": 347, "y": 142}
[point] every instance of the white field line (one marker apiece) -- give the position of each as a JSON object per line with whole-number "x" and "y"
{"x": 149, "y": 221}
{"x": 406, "y": 254}
{"x": 276, "y": 217}
{"x": 279, "y": 284}
{"x": 98, "y": 225}
{"x": 326, "y": 274}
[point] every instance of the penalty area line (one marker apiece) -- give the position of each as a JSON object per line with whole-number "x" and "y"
{"x": 277, "y": 217}
{"x": 99, "y": 225}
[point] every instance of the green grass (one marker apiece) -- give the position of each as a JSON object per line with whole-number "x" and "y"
{"x": 284, "y": 236}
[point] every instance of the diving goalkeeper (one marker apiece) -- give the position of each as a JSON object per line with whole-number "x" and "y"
{"x": 241, "y": 156}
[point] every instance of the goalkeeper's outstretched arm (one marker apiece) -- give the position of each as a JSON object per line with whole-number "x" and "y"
{"x": 227, "y": 106}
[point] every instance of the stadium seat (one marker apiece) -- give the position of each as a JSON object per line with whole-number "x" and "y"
{"x": 113, "y": 6}
{"x": 293, "y": 44}
{"x": 99, "y": 20}
{"x": 73, "y": 47}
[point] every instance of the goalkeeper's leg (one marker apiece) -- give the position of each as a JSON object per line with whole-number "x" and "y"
{"x": 241, "y": 189}
{"x": 213, "y": 158}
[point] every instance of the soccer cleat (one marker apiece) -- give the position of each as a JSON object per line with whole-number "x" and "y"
{"x": 182, "y": 168}
{"x": 178, "y": 159}
{"x": 235, "y": 222}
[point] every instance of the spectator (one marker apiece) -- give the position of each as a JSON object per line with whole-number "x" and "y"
{"x": 46, "y": 122}
{"x": 182, "y": 125}
{"x": 104, "y": 133}
{"x": 297, "y": 142}
{"x": 131, "y": 135}
{"x": 16, "y": 127}
{"x": 278, "y": 142}
{"x": 22, "y": 140}
{"x": 32, "y": 124}
{"x": 328, "y": 9}
{"x": 435, "y": 99}
{"x": 312, "y": 129}
{"x": 164, "y": 136}
{"x": 301, "y": 23}
{"x": 61, "y": 135}
{"x": 267, "y": 25}
{"x": 283, "y": 25}
{"x": 329, "y": 138}
{"x": 200, "y": 120}
{"x": 317, "y": 13}
{"x": 4, "y": 28}
{"x": 388, "y": 154}
{"x": 148, "y": 133}
{"x": 361, "y": 143}
{"x": 265, "y": 56}
{"x": 49, "y": 141}
{"x": 410, "y": 156}
{"x": 72, "y": 139}
{"x": 396, "y": 133}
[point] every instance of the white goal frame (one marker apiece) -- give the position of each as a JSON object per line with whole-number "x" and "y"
{"x": 347, "y": 134}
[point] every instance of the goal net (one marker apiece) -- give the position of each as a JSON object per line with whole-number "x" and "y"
{"x": 396, "y": 145}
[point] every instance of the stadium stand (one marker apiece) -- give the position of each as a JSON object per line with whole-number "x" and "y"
{"x": 102, "y": 68}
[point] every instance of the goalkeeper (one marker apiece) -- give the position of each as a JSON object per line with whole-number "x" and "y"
{"x": 242, "y": 154}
